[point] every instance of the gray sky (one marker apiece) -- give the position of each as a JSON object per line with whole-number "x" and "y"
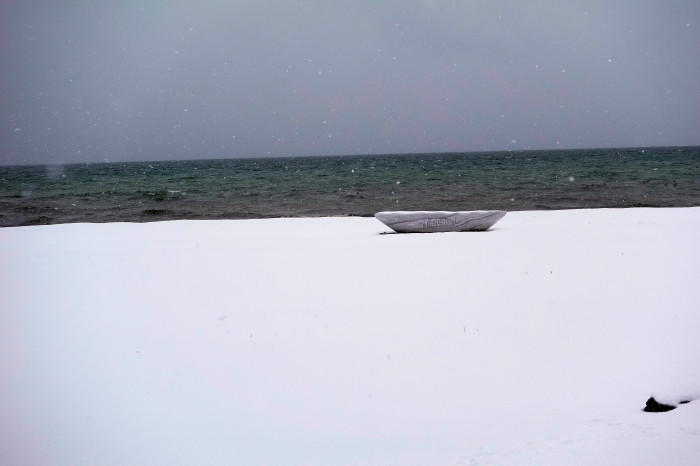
{"x": 151, "y": 80}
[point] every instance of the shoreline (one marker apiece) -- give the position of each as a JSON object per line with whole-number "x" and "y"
{"x": 139, "y": 218}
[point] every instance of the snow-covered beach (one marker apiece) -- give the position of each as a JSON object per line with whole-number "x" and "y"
{"x": 324, "y": 341}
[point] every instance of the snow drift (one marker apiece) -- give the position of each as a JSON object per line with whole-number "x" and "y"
{"x": 323, "y": 341}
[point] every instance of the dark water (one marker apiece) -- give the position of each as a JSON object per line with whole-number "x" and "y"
{"x": 349, "y": 185}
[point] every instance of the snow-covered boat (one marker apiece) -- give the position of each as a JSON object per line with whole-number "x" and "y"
{"x": 438, "y": 220}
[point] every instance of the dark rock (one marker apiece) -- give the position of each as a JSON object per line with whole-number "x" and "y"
{"x": 654, "y": 406}
{"x": 682, "y": 402}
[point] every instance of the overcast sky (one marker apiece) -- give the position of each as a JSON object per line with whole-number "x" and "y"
{"x": 153, "y": 80}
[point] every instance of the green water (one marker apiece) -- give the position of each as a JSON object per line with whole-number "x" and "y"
{"x": 349, "y": 185}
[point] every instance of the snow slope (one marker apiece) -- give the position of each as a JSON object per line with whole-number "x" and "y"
{"x": 323, "y": 341}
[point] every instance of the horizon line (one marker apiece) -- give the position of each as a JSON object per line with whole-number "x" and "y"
{"x": 386, "y": 154}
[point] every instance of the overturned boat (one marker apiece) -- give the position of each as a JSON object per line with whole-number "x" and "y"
{"x": 438, "y": 221}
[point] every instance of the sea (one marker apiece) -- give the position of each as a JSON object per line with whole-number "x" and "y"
{"x": 349, "y": 185}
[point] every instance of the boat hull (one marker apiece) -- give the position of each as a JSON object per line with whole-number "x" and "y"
{"x": 439, "y": 221}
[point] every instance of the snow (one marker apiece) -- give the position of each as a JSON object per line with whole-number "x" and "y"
{"x": 324, "y": 341}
